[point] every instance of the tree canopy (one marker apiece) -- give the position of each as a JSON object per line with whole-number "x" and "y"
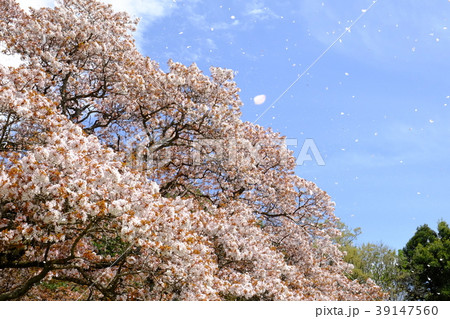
{"x": 374, "y": 261}
{"x": 379, "y": 263}
{"x": 426, "y": 259}
{"x": 119, "y": 181}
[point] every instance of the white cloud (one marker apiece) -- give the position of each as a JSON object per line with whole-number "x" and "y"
{"x": 148, "y": 10}
{"x": 396, "y": 144}
{"x": 389, "y": 28}
{"x": 211, "y": 45}
{"x": 25, "y": 4}
{"x": 224, "y": 25}
{"x": 258, "y": 10}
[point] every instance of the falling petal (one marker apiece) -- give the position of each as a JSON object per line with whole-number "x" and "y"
{"x": 259, "y": 99}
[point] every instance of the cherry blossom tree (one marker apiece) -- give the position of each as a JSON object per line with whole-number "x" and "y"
{"x": 119, "y": 181}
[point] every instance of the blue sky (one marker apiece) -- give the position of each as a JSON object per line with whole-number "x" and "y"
{"x": 377, "y": 104}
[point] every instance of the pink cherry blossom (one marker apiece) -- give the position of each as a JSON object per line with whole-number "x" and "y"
{"x": 119, "y": 181}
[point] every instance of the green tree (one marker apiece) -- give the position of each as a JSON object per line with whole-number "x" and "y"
{"x": 375, "y": 261}
{"x": 348, "y": 235}
{"x": 379, "y": 263}
{"x": 426, "y": 260}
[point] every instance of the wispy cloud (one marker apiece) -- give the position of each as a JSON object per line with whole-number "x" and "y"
{"x": 147, "y": 10}
{"x": 258, "y": 10}
{"x": 385, "y": 31}
{"x": 397, "y": 144}
{"x": 244, "y": 17}
{"x": 217, "y": 26}
{"x": 25, "y": 4}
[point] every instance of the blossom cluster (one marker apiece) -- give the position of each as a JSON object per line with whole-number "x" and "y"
{"x": 85, "y": 215}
